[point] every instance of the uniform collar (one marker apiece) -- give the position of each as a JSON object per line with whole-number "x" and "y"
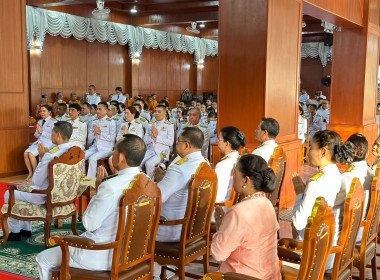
{"x": 194, "y": 155}
{"x": 330, "y": 167}
{"x": 76, "y": 120}
{"x": 129, "y": 170}
{"x": 103, "y": 119}
{"x": 361, "y": 163}
{"x": 64, "y": 145}
{"x": 268, "y": 142}
{"x": 47, "y": 119}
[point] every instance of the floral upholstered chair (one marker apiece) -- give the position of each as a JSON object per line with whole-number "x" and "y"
{"x": 64, "y": 176}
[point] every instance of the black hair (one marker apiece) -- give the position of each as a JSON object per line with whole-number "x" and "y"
{"x": 65, "y": 129}
{"x": 92, "y": 86}
{"x": 301, "y": 109}
{"x": 360, "y": 144}
{"x": 104, "y": 104}
{"x": 256, "y": 169}
{"x": 184, "y": 112}
{"x": 166, "y": 104}
{"x": 234, "y": 136}
{"x": 62, "y": 105}
{"x": 161, "y": 106}
{"x": 119, "y": 89}
{"x": 271, "y": 126}
{"x": 87, "y": 104}
{"x": 194, "y": 136}
{"x": 95, "y": 106}
{"x": 47, "y": 107}
{"x": 332, "y": 141}
{"x": 76, "y": 106}
{"x": 114, "y": 102}
{"x": 313, "y": 105}
{"x": 211, "y": 115}
{"x": 142, "y": 100}
{"x": 210, "y": 110}
{"x": 133, "y": 111}
{"x": 138, "y": 105}
{"x": 133, "y": 148}
{"x": 122, "y": 105}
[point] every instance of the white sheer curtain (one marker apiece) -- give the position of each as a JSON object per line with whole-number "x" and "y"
{"x": 314, "y": 50}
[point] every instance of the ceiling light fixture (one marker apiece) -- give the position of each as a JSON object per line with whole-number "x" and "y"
{"x": 202, "y": 25}
{"x": 133, "y": 10}
{"x": 100, "y": 12}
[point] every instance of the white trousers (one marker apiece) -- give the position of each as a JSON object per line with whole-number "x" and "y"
{"x": 150, "y": 160}
{"x": 15, "y": 225}
{"x": 92, "y": 155}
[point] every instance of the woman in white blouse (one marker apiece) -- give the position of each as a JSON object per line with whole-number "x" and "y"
{"x": 302, "y": 125}
{"x": 229, "y": 141}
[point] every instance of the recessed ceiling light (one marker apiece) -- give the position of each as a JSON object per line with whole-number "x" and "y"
{"x": 133, "y": 10}
{"x": 202, "y": 25}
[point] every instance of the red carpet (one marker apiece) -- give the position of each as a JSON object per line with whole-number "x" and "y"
{"x": 10, "y": 276}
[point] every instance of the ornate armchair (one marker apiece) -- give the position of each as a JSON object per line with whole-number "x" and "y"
{"x": 311, "y": 253}
{"x": 195, "y": 234}
{"x": 135, "y": 238}
{"x": 64, "y": 176}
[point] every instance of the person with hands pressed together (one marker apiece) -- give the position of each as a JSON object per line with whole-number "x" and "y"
{"x": 246, "y": 237}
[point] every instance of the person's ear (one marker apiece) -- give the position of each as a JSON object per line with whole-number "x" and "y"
{"x": 121, "y": 158}
{"x": 323, "y": 152}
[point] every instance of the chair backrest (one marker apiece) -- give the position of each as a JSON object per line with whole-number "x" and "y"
{"x": 278, "y": 163}
{"x": 200, "y": 204}
{"x": 353, "y": 211}
{"x": 318, "y": 238}
{"x": 64, "y": 178}
{"x": 136, "y": 232}
{"x": 373, "y": 214}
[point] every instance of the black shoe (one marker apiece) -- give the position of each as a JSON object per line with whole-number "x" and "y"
{"x": 13, "y": 237}
{"x": 26, "y": 233}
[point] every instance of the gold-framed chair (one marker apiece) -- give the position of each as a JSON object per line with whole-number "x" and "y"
{"x": 312, "y": 253}
{"x": 195, "y": 233}
{"x": 64, "y": 178}
{"x": 134, "y": 243}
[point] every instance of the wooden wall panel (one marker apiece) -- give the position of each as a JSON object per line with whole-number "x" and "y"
{"x": 188, "y": 73}
{"x": 51, "y": 63}
{"x": 173, "y": 70}
{"x": 311, "y": 75}
{"x": 97, "y": 65}
{"x": 158, "y": 65}
{"x": 144, "y": 70}
{"x": 15, "y": 109}
{"x": 118, "y": 67}
{"x": 207, "y": 78}
{"x": 74, "y": 63}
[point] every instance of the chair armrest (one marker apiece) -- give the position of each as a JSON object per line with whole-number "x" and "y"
{"x": 25, "y": 188}
{"x": 165, "y": 222}
{"x": 79, "y": 242}
{"x": 226, "y": 203}
{"x": 289, "y": 255}
{"x": 289, "y": 243}
{"x": 336, "y": 249}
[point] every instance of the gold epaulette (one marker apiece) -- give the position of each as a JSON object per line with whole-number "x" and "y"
{"x": 82, "y": 121}
{"x": 152, "y": 122}
{"x": 53, "y": 119}
{"x": 317, "y": 176}
{"x": 350, "y": 168}
{"x": 109, "y": 177}
{"x": 167, "y": 122}
{"x": 116, "y": 119}
{"x": 108, "y": 119}
{"x": 143, "y": 119}
{"x": 137, "y": 121}
{"x": 52, "y": 151}
{"x": 179, "y": 162}
{"x": 223, "y": 158}
{"x": 201, "y": 125}
{"x": 186, "y": 125}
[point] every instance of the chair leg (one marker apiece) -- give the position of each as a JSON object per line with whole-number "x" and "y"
{"x": 181, "y": 272}
{"x": 4, "y": 226}
{"x": 58, "y": 223}
{"x": 206, "y": 259}
{"x": 81, "y": 207}
{"x": 374, "y": 268}
{"x": 163, "y": 272}
{"x": 74, "y": 223}
{"x": 47, "y": 232}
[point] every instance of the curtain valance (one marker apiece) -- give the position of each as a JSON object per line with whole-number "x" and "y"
{"x": 314, "y": 50}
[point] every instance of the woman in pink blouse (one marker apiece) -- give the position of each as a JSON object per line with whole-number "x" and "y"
{"x": 246, "y": 238}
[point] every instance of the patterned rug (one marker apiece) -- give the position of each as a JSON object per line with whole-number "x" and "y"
{"x": 20, "y": 257}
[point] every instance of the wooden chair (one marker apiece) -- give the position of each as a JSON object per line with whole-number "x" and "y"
{"x": 278, "y": 163}
{"x": 365, "y": 253}
{"x": 227, "y": 276}
{"x": 195, "y": 233}
{"x": 64, "y": 178}
{"x": 312, "y": 253}
{"x": 344, "y": 252}
{"x": 135, "y": 238}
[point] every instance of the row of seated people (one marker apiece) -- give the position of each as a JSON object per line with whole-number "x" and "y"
{"x": 252, "y": 179}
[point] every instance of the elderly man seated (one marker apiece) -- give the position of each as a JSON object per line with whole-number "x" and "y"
{"x": 60, "y": 136}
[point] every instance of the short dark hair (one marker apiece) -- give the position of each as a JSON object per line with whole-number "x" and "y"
{"x": 92, "y": 86}
{"x": 271, "y": 126}
{"x": 234, "y": 136}
{"x": 71, "y": 94}
{"x": 133, "y": 148}
{"x": 87, "y": 104}
{"x": 65, "y": 129}
{"x": 313, "y": 105}
{"x": 360, "y": 144}
{"x": 114, "y": 102}
{"x": 104, "y": 104}
{"x": 133, "y": 111}
{"x": 63, "y": 105}
{"x": 47, "y": 107}
{"x": 211, "y": 115}
{"x": 164, "y": 102}
{"x": 142, "y": 100}
{"x": 256, "y": 168}
{"x": 118, "y": 89}
{"x": 138, "y": 105}
{"x": 161, "y": 106}
{"x": 75, "y": 106}
{"x": 94, "y": 106}
{"x": 194, "y": 136}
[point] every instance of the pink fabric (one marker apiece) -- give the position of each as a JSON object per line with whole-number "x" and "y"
{"x": 246, "y": 241}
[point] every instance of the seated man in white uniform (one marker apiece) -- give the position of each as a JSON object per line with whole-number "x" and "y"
{"x": 101, "y": 216}
{"x": 103, "y": 132}
{"x": 61, "y": 113}
{"x": 118, "y": 96}
{"x": 174, "y": 182}
{"x": 92, "y": 97}
{"x": 159, "y": 138}
{"x": 78, "y": 138}
{"x": 266, "y": 133}
{"x": 60, "y": 136}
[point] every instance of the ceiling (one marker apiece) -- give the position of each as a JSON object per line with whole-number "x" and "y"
{"x": 174, "y": 15}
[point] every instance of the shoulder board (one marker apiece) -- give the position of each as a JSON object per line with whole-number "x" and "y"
{"x": 82, "y": 121}
{"x": 91, "y": 115}
{"x": 213, "y": 119}
{"x": 186, "y": 125}
{"x": 137, "y": 121}
{"x": 179, "y": 162}
{"x": 143, "y": 119}
{"x": 96, "y": 119}
{"x": 318, "y": 115}
{"x": 203, "y": 126}
{"x": 350, "y": 168}
{"x": 109, "y": 177}
{"x": 304, "y": 117}
{"x": 167, "y": 122}
{"x": 317, "y": 176}
{"x": 109, "y": 119}
{"x": 170, "y": 115}
{"x": 146, "y": 111}
{"x": 223, "y": 158}
{"x": 52, "y": 151}
{"x": 53, "y": 119}
{"x": 67, "y": 115}
{"x": 152, "y": 122}
{"x": 119, "y": 115}
{"x": 116, "y": 119}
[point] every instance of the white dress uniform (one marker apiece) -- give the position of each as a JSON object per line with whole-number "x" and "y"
{"x": 330, "y": 184}
{"x": 360, "y": 170}
{"x": 181, "y": 124}
{"x": 101, "y": 221}
{"x": 174, "y": 112}
{"x": 93, "y": 99}
{"x": 203, "y": 119}
{"x": 144, "y": 123}
{"x": 40, "y": 181}
{"x": 212, "y": 127}
{"x": 265, "y": 150}
{"x": 224, "y": 170}
{"x": 146, "y": 115}
{"x": 303, "y": 98}
{"x": 302, "y": 128}
{"x": 325, "y": 113}
{"x": 86, "y": 118}
{"x": 206, "y": 135}
{"x": 103, "y": 143}
{"x": 118, "y": 122}
{"x": 158, "y": 147}
{"x": 78, "y": 138}
{"x": 64, "y": 118}
{"x": 44, "y": 137}
{"x": 119, "y": 98}
{"x": 315, "y": 125}
{"x": 174, "y": 187}
{"x": 135, "y": 128}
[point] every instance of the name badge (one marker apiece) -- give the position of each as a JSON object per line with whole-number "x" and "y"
{"x": 163, "y": 128}
{"x": 104, "y": 126}
{"x": 75, "y": 127}
{"x": 133, "y": 129}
